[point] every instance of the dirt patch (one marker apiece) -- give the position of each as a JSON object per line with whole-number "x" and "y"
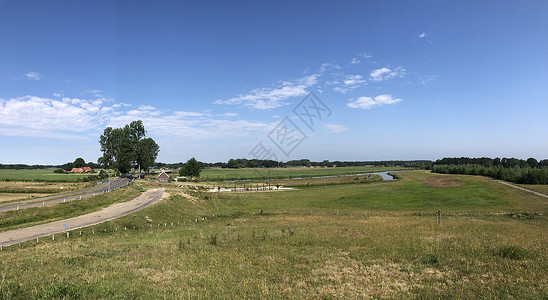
{"x": 443, "y": 181}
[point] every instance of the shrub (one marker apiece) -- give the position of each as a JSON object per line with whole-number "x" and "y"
{"x": 512, "y": 252}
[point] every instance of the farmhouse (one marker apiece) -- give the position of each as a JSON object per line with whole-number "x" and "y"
{"x": 81, "y": 170}
{"x": 163, "y": 177}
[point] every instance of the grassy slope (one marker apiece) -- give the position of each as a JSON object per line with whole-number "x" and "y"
{"x": 306, "y": 244}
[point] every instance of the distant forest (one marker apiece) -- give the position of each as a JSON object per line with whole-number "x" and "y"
{"x": 515, "y": 170}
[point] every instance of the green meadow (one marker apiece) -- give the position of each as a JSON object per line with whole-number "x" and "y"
{"x": 38, "y": 175}
{"x": 279, "y": 173}
{"x": 365, "y": 240}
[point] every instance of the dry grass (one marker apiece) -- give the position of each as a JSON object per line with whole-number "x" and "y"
{"x": 443, "y": 181}
{"x": 6, "y": 197}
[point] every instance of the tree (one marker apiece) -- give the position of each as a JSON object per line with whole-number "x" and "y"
{"x": 191, "y": 169}
{"x": 145, "y": 154}
{"x": 79, "y": 163}
{"x": 126, "y": 147}
{"x": 533, "y": 163}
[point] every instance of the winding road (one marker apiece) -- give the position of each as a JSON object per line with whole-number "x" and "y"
{"x": 112, "y": 212}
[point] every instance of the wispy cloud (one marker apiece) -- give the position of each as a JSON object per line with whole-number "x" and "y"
{"x": 33, "y": 75}
{"x": 272, "y": 97}
{"x": 329, "y": 66}
{"x": 386, "y": 73}
{"x": 371, "y": 102}
{"x": 423, "y": 35}
{"x": 353, "y": 80}
{"x": 78, "y": 119}
{"x": 334, "y": 128}
{"x": 96, "y": 93}
{"x": 355, "y": 61}
{"x": 349, "y": 82}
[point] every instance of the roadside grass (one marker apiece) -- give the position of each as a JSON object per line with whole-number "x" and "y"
{"x": 280, "y": 173}
{"x": 541, "y": 188}
{"x": 306, "y": 243}
{"x": 15, "y": 219}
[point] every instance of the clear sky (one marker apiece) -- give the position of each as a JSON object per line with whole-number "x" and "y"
{"x": 216, "y": 80}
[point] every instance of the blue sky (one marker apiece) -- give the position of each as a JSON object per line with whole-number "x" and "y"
{"x": 219, "y": 79}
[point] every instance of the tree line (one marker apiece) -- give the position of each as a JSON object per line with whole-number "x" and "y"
{"x": 239, "y": 163}
{"x": 528, "y": 171}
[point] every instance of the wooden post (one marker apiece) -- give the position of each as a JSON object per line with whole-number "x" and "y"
{"x": 43, "y": 203}
{"x": 68, "y": 233}
{"x": 80, "y": 232}
{"x": 53, "y": 237}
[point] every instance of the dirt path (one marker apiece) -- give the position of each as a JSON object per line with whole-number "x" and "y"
{"x": 523, "y": 189}
{"x": 112, "y": 212}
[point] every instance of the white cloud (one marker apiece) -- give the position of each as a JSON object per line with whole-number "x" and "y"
{"x": 348, "y": 83}
{"x": 366, "y": 55}
{"x": 33, "y": 75}
{"x": 57, "y": 95}
{"x": 228, "y": 114}
{"x": 30, "y": 114}
{"x": 334, "y": 128}
{"x": 195, "y": 125}
{"x": 355, "y": 61}
{"x": 269, "y": 98}
{"x": 423, "y": 35}
{"x": 340, "y": 89}
{"x": 386, "y": 73}
{"x": 353, "y": 80}
{"x": 369, "y": 102}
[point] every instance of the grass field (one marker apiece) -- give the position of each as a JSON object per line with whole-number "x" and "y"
{"x": 249, "y": 173}
{"x": 38, "y": 175}
{"x": 340, "y": 241}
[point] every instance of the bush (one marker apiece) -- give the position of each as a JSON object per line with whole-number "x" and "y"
{"x": 512, "y": 252}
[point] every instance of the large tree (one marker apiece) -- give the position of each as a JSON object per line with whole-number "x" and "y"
{"x": 79, "y": 163}
{"x": 126, "y": 147}
{"x": 191, "y": 168}
{"x": 146, "y": 153}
